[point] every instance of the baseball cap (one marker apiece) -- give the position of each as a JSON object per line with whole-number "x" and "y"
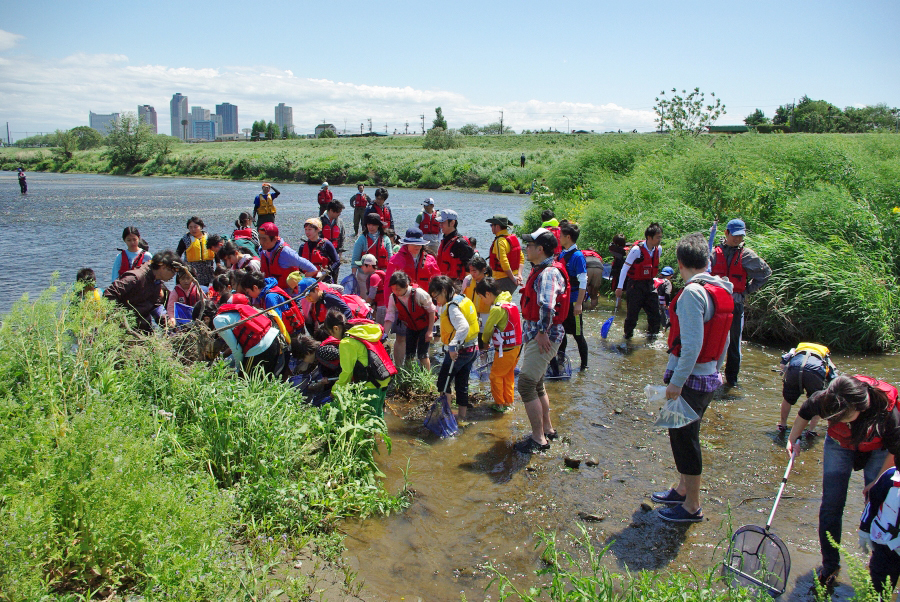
{"x": 539, "y": 236}
{"x": 428, "y": 201}
{"x": 367, "y": 259}
{"x": 446, "y": 214}
{"x": 736, "y": 227}
{"x": 667, "y": 271}
{"x": 324, "y": 184}
{"x": 270, "y": 229}
{"x": 500, "y": 220}
{"x": 314, "y": 221}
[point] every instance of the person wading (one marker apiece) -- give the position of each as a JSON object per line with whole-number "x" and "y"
{"x": 640, "y": 268}
{"x": 264, "y": 204}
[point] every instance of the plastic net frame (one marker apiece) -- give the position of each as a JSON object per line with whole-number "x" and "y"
{"x": 757, "y": 558}
{"x": 565, "y": 368}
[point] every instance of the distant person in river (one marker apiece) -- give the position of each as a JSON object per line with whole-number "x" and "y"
{"x": 522, "y": 160}
{"x": 663, "y": 288}
{"x": 132, "y": 256}
{"x": 381, "y": 208}
{"x": 23, "y": 184}
{"x": 701, "y": 318}
{"x": 192, "y": 247}
{"x": 638, "y": 271}
{"x": 264, "y": 204}
{"x": 807, "y": 367}
{"x": 863, "y": 434}
{"x": 748, "y": 273}
{"x": 140, "y": 290}
{"x": 360, "y": 202}
{"x": 430, "y": 227}
{"x": 325, "y": 197}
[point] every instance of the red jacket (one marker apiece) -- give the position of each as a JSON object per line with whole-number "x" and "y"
{"x": 419, "y": 274}
{"x": 325, "y": 197}
{"x": 841, "y": 432}
{"x": 715, "y": 331}
{"x": 251, "y": 332}
{"x": 531, "y": 311}
{"x": 646, "y": 267}
{"x": 734, "y": 271}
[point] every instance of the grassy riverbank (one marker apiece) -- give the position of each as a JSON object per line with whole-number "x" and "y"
{"x": 485, "y": 162}
{"x": 821, "y": 209}
{"x": 121, "y": 470}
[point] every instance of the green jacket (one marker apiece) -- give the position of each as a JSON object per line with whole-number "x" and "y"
{"x": 352, "y": 351}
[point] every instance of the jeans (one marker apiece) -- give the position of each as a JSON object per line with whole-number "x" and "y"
{"x": 838, "y": 463}
{"x": 733, "y": 359}
{"x": 461, "y": 368}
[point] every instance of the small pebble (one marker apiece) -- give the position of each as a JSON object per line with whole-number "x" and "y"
{"x": 572, "y": 462}
{"x": 646, "y": 507}
{"x": 591, "y": 462}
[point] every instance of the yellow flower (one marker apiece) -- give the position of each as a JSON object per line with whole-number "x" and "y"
{"x": 896, "y": 209}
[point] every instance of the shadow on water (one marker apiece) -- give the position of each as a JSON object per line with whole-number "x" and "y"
{"x": 500, "y": 462}
{"x": 648, "y": 542}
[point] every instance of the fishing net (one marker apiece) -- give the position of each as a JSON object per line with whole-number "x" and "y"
{"x": 183, "y": 313}
{"x": 440, "y": 419}
{"x": 758, "y": 559}
{"x": 481, "y": 369}
{"x": 350, "y": 284}
{"x": 560, "y": 368}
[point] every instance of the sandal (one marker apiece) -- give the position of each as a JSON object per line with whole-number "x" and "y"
{"x": 529, "y": 445}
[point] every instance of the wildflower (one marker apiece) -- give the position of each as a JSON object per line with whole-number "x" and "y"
{"x": 896, "y": 210}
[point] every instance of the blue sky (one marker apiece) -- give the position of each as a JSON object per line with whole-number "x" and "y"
{"x": 601, "y": 64}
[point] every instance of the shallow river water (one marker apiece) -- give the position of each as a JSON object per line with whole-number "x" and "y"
{"x": 477, "y": 501}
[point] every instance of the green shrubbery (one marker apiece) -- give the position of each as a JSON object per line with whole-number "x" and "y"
{"x": 820, "y": 210}
{"x": 121, "y": 469}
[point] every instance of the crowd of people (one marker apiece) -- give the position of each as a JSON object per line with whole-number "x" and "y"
{"x": 288, "y": 313}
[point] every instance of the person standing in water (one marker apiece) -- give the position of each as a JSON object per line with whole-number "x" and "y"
{"x": 264, "y": 204}
{"x": 23, "y": 185}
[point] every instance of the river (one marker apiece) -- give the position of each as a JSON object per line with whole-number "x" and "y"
{"x": 477, "y": 502}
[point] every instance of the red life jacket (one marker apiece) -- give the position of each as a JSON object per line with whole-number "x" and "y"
{"x": 242, "y": 233}
{"x": 734, "y": 271}
{"x": 590, "y": 253}
{"x": 315, "y": 256}
{"x": 841, "y": 432}
{"x": 292, "y": 316}
{"x": 449, "y": 265}
{"x": 325, "y": 197}
{"x": 358, "y": 307}
{"x": 125, "y": 265}
{"x": 384, "y": 214}
{"x": 429, "y": 224}
{"x": 273, "y": 269}
{"x": 531, "y": 311}
{"x": 243, "y": 261}
{"x": 378, "y": 290}
{"x": 186, "y": 298}
{"x": 511, "y": 336}
{"x": 360, "y": 200}
{"x": 514, "y": 256}
{"x": 558, "y": 234}
{"x": 380, "y": 366}
{"x": 331, "y": 231}
{"x": 415, "y": 316}
{"x": 646, "y": 266}
{"x": 251, "y": 332}
{"x": 715, "y": 331}
{"x": 380, "y": 251}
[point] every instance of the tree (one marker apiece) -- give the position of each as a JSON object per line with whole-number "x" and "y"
{"x": 494, "y": 129}
{"x": 129, "y": 142}
{"x": 439, "y": 121}
{"x": 470, "y": 129}
{"x": 163, "y": 145}
{"x": 327, "y": 133}
{"x": 441, "y": 139}
{"x": 755, "y": 118}
{"x": 271, "y": 131}
{"x": 687, "y": 113}
{"x": 86, "y": 137}
{"x": 783, "y": 114}
{"x": 65, "y": 144}
{"x": 256, "y": 130}
{"x": 184, "y": 123}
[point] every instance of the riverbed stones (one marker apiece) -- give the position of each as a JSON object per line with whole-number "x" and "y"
{"x": 572, "y": 462}
{"x": 590, "y": 518}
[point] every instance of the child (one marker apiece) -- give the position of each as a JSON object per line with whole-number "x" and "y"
{"x": 619, "y": 250}
{"x": 663, "y": 286}
{"x": 503, "y": 328}
{"x": 221, "y": 288}
{"x": 185, "y": 292}
{"x": 478, "y": 270}
{"x": 808, "y": 368}
{"x": 459, "y": 332}
{"x": 363, "y": 358}
{"x": 878, "y": 532}
{"x": 371, "y": 282}
{"x": 87, "y": 278}
{"x": 132, "y": 257}
{"x": 413, "y": 308}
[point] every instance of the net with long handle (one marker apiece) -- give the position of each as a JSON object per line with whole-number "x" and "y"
{"x": 756, "y": 557}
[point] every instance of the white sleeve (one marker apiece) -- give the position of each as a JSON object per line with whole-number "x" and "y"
{"x": 632, "y": 256}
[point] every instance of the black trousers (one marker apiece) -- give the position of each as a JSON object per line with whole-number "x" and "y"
{"x": 573, "y": 325}
{"x": 733, "y": 358}
{"x": 640, "y": 295}
{"x": 685, "y": 441}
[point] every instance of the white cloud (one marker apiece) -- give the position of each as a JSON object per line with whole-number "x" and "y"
{"x": 61, "y": 93}
{"x": 8, "y": 39}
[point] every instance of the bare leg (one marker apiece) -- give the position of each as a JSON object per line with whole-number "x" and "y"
{"x": 545, "y": 413}
{"x": 691, "y": 483}
{"x": 425, "y": 362}
{"x": 399, "y": 350}
{"x": 785, "y": 410}
{"x": 535, "y": 411}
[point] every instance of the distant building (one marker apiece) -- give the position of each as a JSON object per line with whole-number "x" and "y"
{"x": 218, "y": 120}
{"x": 284, "y": 117}
{"x": 103, "y": 123}
{"x": 229, "y": 114}
{"x": 203, "y": 130}
{"x": 149, "y": 115}
{"x": 325, "y": 126}
{"x": 178, "y": 111}
{"x": 199, "y": 114}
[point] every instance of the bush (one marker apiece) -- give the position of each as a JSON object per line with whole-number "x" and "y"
{"x": 440, "y": 139}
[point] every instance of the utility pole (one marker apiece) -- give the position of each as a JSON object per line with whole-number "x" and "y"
{"x": 8, "y": 143}
{"x": 385, "y": 128}
{"x": 406, "y": 131}
{"x": 360, "y": 129}
{"x": 370, "y": 125}
{"x": 423, "y": 124}
{"x": 345, "y": 127}
{"x": 501, "y": 123}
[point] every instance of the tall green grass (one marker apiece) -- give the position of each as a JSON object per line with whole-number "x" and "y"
{"x": 122, "y": 470}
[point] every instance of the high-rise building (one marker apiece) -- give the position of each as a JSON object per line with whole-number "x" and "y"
{"x": 102, "y": 123}
{"x": 199, "y": 114}
{"x": 284, "y": 117}
{"x": 149, "y": 115}
{"x": 178, "y": 110}
{"x": 218, "y": 120}
{"x": 203, "y": 130}
{"x": 229, "y": 113}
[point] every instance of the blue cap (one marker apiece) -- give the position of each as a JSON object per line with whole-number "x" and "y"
{"x": 667, "y": 271}
{"x": 736, "y": 227}
{"x": 305, "y": 285}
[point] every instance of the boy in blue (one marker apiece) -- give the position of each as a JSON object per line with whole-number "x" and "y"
{"x": 576, "y": 266}
{"x": 879, "y": 532}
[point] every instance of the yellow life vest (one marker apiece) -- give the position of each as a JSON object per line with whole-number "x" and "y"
{"x": 266, "y": 204}
{"x": 197, "y": 250}
{"x": 468, "y": 309}
{"x": 481, "y": 304}
{"x": 277, "y": 319}
{"x": 819, "y": 350}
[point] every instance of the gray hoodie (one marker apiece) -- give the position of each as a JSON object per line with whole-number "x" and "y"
{"x": 694, "y": 308}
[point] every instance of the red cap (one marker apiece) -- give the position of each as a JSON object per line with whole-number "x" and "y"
{"x": 239, "y": 299}
{"x": 270, "y": 229}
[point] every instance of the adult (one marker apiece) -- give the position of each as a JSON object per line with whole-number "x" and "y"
{"x": 23, "y": 184}
{"x": 277, "y": 259}
{"x": 506, "y": 256}
{"x": 141, "y": 289}
{"x": 332, "y": 225}
{"x": 374, "y": 241}
{"x": 640, "y": 268}
{"x": 325, "y": 197}
{"x": 701, "y": 318}
{"x": 371, "y": 281}
{"x": 863, "y": 433}
{"x": 807, "y": 367}
{"x": 430, "y": 227}
{"x": 319, "y": 250}
{"x": 455, "y": 251}
{"x": 747, "y": 272}
{"x": 257, "y": 343}
{"x": 192, "y": 247}
{"x": 576, "y": 268}
{"x": 381, "y": 208}
{"x": 132, "y": 256}
{"x": 235, "y": 258}
{"x": 264, "y": 205}
{"x": 545, "y": 304}
{"x": 412, "y": 259}
{"x": 522, "y": 160}
{"x": 360, "y": 202}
